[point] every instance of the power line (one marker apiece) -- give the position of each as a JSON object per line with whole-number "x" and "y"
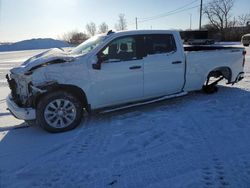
{"x": 169, "y": 12}
{"x": 141, "y": 21}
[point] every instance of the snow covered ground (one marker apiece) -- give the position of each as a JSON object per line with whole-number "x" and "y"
{"x": 196, "y": 141}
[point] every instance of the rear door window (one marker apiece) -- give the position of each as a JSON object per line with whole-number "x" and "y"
{"x": 159, "y": 44}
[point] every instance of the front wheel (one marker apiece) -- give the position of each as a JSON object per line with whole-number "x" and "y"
{"x": 59, "y": 111}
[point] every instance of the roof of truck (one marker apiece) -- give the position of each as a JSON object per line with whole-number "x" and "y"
{"x": 132, "y": 32}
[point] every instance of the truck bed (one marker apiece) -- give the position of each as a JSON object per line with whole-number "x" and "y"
{"x": 208, "y": 48}
{"x": 200, "y": 60}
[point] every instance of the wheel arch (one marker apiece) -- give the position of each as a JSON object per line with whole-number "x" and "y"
{"x": 74, "y": 90}
{"x": 224, "y": 71}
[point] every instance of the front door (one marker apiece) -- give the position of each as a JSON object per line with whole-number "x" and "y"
{"x": 120, "y": 78}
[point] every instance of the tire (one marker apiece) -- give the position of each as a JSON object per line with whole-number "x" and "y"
{"x": 210, "y": 89}
{"x": 246, "y": 44}
{"x": 59, "y": 111}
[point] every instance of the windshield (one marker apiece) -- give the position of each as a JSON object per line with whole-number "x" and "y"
{"x": 88, "y": 45}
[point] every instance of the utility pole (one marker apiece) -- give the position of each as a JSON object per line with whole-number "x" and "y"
{"x": 200, "y": 15}
{"x": 190, "y": 22}
{"x": 136, "y": 24}
{"x": 0, "y": 10}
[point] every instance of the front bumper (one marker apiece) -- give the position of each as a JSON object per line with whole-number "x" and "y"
{"x": 18, "y": 112}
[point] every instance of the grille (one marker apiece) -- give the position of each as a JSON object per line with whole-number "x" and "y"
{"x": 13, "y": 87}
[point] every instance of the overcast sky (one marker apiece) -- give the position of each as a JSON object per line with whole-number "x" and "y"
{"x": 25, "y": 19}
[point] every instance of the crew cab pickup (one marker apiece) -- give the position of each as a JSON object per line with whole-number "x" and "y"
{"x": 117, "y": 69}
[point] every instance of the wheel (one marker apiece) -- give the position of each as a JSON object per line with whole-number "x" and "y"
{"x": 246, "y": 44}
{"x": 59, "y": 111}
{"x": 210, "y": 89}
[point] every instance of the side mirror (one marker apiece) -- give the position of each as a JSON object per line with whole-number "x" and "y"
{"x": 98, "y": 59}
{"x": 96, "y": 66}
{"x": 96, "y": 63}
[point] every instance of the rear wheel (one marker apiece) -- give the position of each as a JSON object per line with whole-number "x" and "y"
{"x": 210, "y": 89}
{"x": 59, "y": 111}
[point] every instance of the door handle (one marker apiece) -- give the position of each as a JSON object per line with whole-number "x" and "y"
{"x": 135, "y": 67}
{"x": 176, "y": 62}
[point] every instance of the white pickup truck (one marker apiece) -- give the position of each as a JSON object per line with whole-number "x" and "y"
{"x": 55, "y": 88}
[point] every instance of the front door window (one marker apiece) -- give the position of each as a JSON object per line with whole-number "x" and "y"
{"x": 122, "y": 49}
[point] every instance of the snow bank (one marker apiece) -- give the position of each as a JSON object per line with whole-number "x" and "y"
{"x": 33, "y": 44}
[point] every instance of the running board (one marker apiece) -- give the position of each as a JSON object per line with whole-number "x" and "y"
{"x": 147, "y": 102}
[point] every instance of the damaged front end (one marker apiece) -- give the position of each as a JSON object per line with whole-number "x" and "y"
{"x": 19, "y": 86}
{"x": 21, "y": 81}
{"x": 18, "y": 102}
{"x": 23, "y": 92}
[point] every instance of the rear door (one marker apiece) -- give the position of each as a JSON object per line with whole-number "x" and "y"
{"x": 164, "y": 66}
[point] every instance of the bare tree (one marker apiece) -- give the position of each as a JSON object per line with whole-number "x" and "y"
{"x": 103, "y": 28}
{"x": 243, "y": 19}
{"x": 91, "y": 28}
{"x": 78, "y": 38}
{"x": 218, "y": 13}
{"x": 122, "y": 23}
{"x": 67, "y": 36}
{"x": 74, "y": 37}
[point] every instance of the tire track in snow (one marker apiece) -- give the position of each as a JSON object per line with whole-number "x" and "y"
{"x": 223, "y": 129}
{"x": 69, "y": 149}
{"x": 156, "y": 162}
{"x": 74, "y": 154}
{"x": 215, "y": 175}
{"x": 153, "y": 161}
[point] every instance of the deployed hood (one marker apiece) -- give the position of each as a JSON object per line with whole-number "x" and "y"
{"x": 52, "y": 56}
